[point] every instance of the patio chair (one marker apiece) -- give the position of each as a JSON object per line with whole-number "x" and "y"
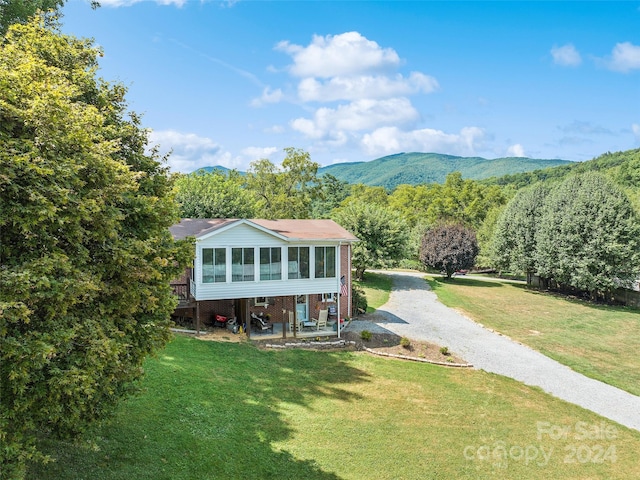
{"x": 292, "y": 320}
{"x": 321, "y": 321}
{"x": 259, "y": 324}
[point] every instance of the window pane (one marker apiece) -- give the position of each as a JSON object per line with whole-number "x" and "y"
{"x": 220, "y": 267}
{"x": 293, "y": 262}
{"x": 319, "y": 262}
{"x": 208, "y": 274}
{"x": 330, "y": 267}
{"x": 207, "y": 265}
{"x": 265, "y": 260}
{"x": 220, "y": 273}
{"x": 236, "y": 266}
{"x": 304, "y": 262}
{"x": 249, "y": 273}
{"x": 276, "y": 264}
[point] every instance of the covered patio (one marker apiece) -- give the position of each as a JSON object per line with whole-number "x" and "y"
{"x": 264, "y": 318}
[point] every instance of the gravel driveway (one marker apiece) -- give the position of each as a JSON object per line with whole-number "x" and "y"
{"x": 414, "y": 311}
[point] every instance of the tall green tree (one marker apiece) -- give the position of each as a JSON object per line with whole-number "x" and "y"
{"x": 214, "y": 195}
{"x": 284, "y": 191}
{"x": 412, "y": 201}
{"x": 463, "y": 201}
{"x": 589, "y": 236}
{"x": 329, "y": 194}
{"x": 515, "y": 240}
{"x": 383, "y": 235}
{"x": 20, "y": 11}
{"x": 85, "y": 252}
{"x": 374, "y": 195}
{"x": 457, "y": 200}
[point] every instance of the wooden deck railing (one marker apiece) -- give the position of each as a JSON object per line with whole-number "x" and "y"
{"x": 182, "y": 291}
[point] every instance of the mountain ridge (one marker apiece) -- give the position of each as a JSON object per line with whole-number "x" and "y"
{"x": 415, "y": 168}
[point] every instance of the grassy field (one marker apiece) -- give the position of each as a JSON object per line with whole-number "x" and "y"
{"x": 597, "y": 340}
{"x": 211, "y": 410}
{"x": 376, "y": 288}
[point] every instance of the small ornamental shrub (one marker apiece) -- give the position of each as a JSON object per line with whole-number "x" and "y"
{"x": 365, "y": 335}
{"x": 358, "y": 301}
{"x": 405, "y": 342}
{"x": 445, "y": 351}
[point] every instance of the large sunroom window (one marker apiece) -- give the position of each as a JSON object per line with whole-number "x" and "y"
{"x": 214, "y": 265}
{"x": 270, "y": 263}
{"x": 325, "y": 262}
{"x": 242, "y": 265}
{"x": 298, "y": 262}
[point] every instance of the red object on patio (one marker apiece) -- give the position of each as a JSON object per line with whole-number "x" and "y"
{"x": 220, "y": 321}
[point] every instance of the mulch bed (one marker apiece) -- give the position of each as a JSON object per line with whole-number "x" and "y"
{"x": 389, "y": 344}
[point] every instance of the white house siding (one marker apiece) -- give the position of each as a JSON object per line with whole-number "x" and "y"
{"x": 245, "y": 236}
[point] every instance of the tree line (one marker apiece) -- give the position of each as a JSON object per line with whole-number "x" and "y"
{"x": 521, "y": 231}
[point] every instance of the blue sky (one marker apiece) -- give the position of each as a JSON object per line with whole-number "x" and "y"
{"x": 226, "y": 83}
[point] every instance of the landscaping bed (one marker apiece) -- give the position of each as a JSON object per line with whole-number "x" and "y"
{"x": 391, "y": 344}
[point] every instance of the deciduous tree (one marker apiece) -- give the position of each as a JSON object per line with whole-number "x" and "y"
{"x": 515, "y": 239}
{"x": 383, "y": 235}
{"x": 285, "y": 191}
{"x": 214, "y": 195}
{"x": 85, "y": 252}
{"x": 19, "y": 11}
{"x": 449, "y": 247}
{"x": 589, "y": 236}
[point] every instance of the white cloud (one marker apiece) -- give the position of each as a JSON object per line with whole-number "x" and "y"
{"x": 190, "y": 151}
{"x": 256, "y": 153}
{"x": 388, "y": 140}
{"x": 365, "y": 86}
{"x": 268, "y": 96}
{"x": 339, "y": 55}
{"x": 636, "y": 131}
{"x": 624, "y": 57}
{"x": 360, "y": 115}
{"x": 566, "y": 55}
{"x": 516, "y": 150}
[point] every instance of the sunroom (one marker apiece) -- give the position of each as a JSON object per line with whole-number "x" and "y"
{"x": 267, "y": 278}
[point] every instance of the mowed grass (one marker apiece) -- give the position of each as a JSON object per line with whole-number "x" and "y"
{"x": 212, "y": 410}
{"x": 599, "y": 341}
{"x": 377, "y": 288}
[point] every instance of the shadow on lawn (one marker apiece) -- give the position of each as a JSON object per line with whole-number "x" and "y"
{"x": 210, "y": 410}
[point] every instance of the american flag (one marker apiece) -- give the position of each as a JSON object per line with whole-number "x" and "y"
{"x": 344, "y": 290}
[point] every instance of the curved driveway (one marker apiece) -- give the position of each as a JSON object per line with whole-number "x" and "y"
{"x": 414, "y": 311}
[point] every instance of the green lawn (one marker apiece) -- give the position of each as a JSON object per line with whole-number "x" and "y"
{"x": 599, "y": 341}
{"x": 377, "y": 288}
{"x": 212, "y": 410}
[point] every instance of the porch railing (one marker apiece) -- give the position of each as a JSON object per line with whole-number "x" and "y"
{"x": 182, "y": 291}
{"x": 192, "y": 286}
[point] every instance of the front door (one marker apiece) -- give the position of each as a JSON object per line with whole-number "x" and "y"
{"x": 302, "y": 308}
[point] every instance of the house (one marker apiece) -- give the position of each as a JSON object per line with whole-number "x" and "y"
{"x": 285, "y": 277}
